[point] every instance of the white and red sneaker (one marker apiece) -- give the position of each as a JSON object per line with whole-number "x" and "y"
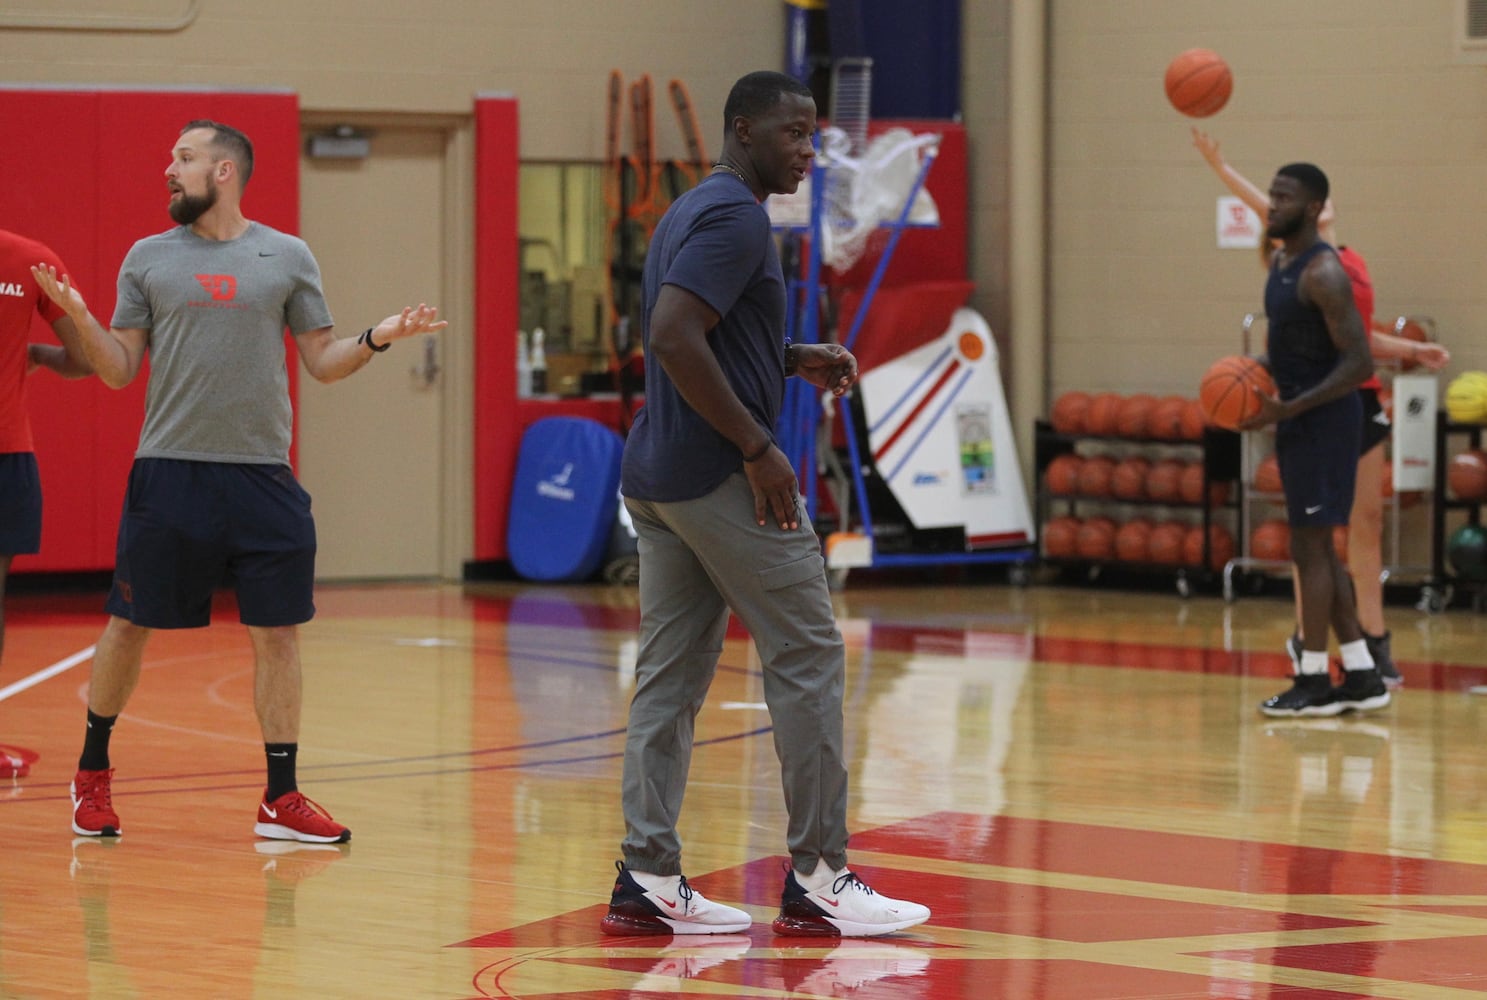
{"x": 93, "y": 805}
{"x": 670, "y": 906}
{"x": 293, "y": 817}
{"x": 844, "y": 906}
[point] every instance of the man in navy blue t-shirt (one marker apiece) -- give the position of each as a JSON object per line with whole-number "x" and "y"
{"x": 703, "y": 481}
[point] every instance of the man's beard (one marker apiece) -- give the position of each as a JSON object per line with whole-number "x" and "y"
{"x": 1278, "y": 229}
{"x": 188, "y": 208}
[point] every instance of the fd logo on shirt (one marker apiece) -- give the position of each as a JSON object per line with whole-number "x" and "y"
{"x": 221, "y": 287}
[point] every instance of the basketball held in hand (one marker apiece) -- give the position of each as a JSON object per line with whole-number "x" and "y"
{"x": 1231, "y": 388}
{"x": 1199, "y": 83}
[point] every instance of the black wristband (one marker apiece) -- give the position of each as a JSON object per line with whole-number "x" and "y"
{"x": 366, "y": 338}
{"x": 763, "y": 450}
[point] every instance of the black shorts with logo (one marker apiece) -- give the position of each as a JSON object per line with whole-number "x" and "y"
{"x": 1318, "y": 461}
{"x": 190, "y": 528}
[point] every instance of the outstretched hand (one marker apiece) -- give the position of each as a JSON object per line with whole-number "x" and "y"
{"x": 1431, "y": 356}
{"x": 826, "y": 366}
{"x": 1208, "y": 146}
{"x": 59, "y": 289}
{"x": 409, "y": 323}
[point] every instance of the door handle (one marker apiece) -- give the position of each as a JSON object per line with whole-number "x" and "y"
{"x": 426, "y": 374}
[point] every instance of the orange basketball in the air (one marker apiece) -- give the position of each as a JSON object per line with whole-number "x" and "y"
{"x": 1271, "y": 540}
{"x": 1199, "y": 83}
{"x": 1069, "y": 411}
{"x": 1166, "y": 543}
{"x": 1267, "y": 475}
{"x": 1133, "y": 416}
{"x": 1230, "y": 390}
{"x": 1104, "y": 412}
{"x": 1059, "y": 534}
{"x": 1132, "y": 540}
{"x": 1165, "y": 423}
{"x": 1129, "y": 479}
{"x": 1164, "y": 481}
{"x": 1095, "y": 475}
{"x": 1467, "y": 475}
{"x": 1096, "y": 538}
{"x": 1062, "y": 475}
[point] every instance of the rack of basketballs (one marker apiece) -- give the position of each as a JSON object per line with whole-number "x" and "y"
{"x": 1135, "y": 481}
{"x": 1458, "y": 537}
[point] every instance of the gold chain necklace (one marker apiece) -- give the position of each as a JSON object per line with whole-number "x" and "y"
{"x": 732, "y": 170}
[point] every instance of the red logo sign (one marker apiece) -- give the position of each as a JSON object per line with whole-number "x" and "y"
{"x": 221, "y": 287}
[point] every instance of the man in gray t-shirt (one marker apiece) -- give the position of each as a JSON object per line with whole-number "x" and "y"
{"x": 211, "y": 496}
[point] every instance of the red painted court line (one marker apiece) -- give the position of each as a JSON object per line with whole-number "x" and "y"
{"x": 1169, "y": 858}
{"x": 1448, "y": 961}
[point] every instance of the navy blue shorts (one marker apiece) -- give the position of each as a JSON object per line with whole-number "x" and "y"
{"x": 1318, "y": 456}
{"x": 20, "y": 504}
{"x": 1376, "y": 425}
{"x": 190, "y": 528}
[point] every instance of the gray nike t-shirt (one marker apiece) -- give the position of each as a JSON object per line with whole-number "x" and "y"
{"x": 216, "y": 311}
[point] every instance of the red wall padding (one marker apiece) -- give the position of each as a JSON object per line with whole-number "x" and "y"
{"x": 84, "y": 173}
{"x": 497, "y": 158}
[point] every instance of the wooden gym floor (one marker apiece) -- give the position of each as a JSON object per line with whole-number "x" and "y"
{"x": 1077, "y": 782}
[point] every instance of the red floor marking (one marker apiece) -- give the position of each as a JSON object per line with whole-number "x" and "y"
{"x": 1447, "y": 961}
{"x": 998, "y": 907}
{"x": 914, "y": 965}
{"x": 1169, "y": 858}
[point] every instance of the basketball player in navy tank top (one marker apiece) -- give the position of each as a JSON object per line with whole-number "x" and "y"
{"x": 1317, "y": 352}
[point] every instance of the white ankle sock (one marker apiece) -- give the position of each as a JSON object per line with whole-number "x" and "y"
{"x": 1355, "y": 655}
{"x": 651, "y": 882}
{"x": 1313, "y": 662}
{"x": 818, "y": 879}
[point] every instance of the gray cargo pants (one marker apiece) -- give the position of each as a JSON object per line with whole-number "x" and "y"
{"x": 698, "y": 559}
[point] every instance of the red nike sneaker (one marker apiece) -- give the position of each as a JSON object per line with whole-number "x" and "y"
{"x": 293, "y": 817}
{"x": 93, "y": 805}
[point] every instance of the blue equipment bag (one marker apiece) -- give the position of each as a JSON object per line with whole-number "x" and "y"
{"x": 564, "y": 498}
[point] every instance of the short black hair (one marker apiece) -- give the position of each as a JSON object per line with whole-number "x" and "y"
{"x": 1309, "y": 176}
{"x": 231, "y": 142}
{"x": 757, "y": 92}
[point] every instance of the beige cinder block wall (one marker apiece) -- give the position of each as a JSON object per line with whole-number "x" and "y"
{"x": 1373, "y": 91}
{"x": 1370, "y": 90}
{"x": 430, "y": 57}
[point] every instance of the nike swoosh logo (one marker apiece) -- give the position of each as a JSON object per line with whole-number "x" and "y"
{"x": 1381, "y": 418}
{"x": 667, "y": 901}
{"x": 262, "y": 254}
{"x": 1313, "y": 510}
{"x": 284, "y": 754}
{"x": 831, "y": 902}
{"x": 270, "y": 813}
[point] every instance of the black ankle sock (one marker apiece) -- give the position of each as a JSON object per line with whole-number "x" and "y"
{"x": 280, "y": 769}
{"x": 95, "y": 742}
